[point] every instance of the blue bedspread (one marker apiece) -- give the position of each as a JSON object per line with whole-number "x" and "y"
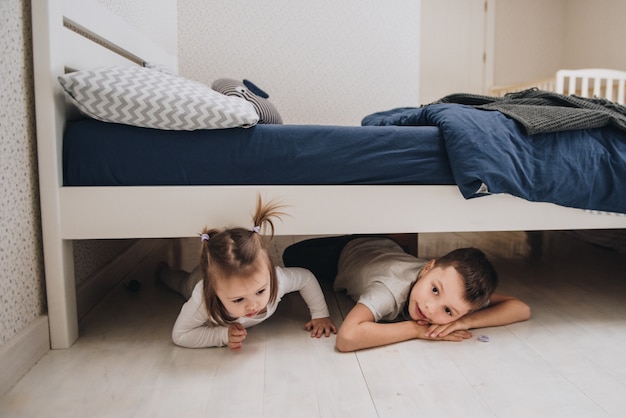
{"x": 490, "y": 153}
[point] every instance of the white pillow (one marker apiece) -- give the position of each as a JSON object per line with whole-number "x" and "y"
{"x": 148, "y": 98}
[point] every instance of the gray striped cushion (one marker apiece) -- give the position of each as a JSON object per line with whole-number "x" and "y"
{"x": 246, "y": 90}
{"x": 148, "y": 98}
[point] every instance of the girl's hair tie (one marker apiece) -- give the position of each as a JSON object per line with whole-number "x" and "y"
{"x": 256, "y": 229}
{"x": 204, "y": 237}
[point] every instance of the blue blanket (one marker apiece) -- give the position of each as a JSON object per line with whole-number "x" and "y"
{"x": 491, "y": 153}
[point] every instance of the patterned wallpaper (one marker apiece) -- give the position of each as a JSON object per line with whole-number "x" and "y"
{"x": 323, "y": 61}
{"x": 21, "y": 262}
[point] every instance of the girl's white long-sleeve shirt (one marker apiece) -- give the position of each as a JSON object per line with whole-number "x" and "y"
{"x": 193, "y": 328}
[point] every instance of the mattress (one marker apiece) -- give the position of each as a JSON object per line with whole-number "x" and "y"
{"x": 97, "y": 153}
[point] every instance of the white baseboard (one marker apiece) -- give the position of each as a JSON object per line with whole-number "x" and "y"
{"x": 131, "y": 264}
{"x": 20, "y": 353}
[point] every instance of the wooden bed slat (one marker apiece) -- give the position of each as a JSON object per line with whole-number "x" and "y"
{"x": 94, "y": 37}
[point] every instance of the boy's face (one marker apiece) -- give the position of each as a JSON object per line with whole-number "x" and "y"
{"x": 437, "y": 296}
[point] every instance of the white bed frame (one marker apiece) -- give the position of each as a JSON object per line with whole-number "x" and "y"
{"x": 77, "y": 213}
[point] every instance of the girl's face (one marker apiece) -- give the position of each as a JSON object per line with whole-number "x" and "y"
{"x": 437, "y": 296}
{"x": 245, "y": 296}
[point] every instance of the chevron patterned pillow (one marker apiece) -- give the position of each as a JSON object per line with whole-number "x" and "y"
{"x": 151, "y": 99}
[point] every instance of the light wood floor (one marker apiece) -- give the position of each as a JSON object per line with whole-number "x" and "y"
{"x": 569, "y": 360}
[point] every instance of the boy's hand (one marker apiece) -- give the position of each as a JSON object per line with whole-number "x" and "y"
{"x": 236, "y": 334}
{"x": 320, "y": 326}
{"x": 435, "y": 331}
{"x": 458, "y": 335}
{"x": 451, "y": 335}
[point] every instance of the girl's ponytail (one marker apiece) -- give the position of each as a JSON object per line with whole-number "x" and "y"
{"x": 264, "y": 215}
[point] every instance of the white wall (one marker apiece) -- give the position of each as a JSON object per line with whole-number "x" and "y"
{"x": 596, "y": 34}
{"x": 535, "y": 38}
{"x": 155, "y": 18}
{"x": 456, "y": 47}
{"x": 324, "y": 61}
{"x": 529, "y": 40}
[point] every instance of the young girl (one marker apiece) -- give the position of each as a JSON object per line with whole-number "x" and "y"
{"x": 236, "y": 286}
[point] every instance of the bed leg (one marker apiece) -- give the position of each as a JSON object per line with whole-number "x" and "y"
{"x": 61, "y": 294}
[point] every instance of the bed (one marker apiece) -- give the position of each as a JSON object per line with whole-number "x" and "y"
{"x": 73, "y": 35}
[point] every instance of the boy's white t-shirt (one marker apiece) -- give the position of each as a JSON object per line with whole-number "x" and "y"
{"x": 379, "y": 274}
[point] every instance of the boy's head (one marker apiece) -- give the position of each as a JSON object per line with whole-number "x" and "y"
{"x": 479, "y": 275}
{"x": 452, "y": 286}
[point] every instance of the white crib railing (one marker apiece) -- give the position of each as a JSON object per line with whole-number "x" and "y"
{"x": 589, "y": 82}
{"x": 592, "y": 82}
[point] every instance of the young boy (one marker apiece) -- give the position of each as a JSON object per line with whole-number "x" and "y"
{"x": 400, "y": 297}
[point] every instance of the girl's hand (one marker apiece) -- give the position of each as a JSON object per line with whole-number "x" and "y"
{"x": 320, "y": 326}
{"x": 236, "y": 334}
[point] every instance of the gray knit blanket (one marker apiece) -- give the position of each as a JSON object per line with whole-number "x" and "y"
{"x": 540, "y": 111}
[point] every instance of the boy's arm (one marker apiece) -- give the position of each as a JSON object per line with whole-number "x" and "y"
{"x": 359, "y": 331}
{"x": 502, "y": 310}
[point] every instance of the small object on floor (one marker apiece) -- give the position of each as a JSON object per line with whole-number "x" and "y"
{"x": 133, "y": 285}
{"x": 483, "y": 338}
